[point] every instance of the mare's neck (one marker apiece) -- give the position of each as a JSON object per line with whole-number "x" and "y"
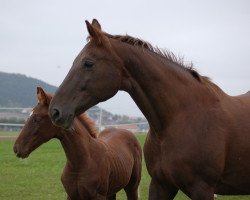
{"x": 159, "y": 87}
{"x": 76, "y": 143}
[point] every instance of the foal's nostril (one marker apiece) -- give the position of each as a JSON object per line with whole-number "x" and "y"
{"x": 18, "y": 154}
{"x": 55, "y": 114}
{"x": 15, "y": 149}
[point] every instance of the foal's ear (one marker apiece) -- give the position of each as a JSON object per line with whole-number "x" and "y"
{"x": 95, "y": 32}
{"x": 41, "y": 96}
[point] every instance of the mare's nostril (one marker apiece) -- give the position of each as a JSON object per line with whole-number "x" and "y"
{"x": 55, "y": 114}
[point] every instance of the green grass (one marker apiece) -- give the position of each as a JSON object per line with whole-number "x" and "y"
{"x": 8, "y": 133}
{"x": 38, "y": 177}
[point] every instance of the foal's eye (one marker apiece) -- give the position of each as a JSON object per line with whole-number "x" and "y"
{"x": 88, "y": 64}
{"x": 36, "y": 119}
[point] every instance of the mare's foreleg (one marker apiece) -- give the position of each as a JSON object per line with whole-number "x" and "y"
{"x": 113, "y": 197}
{"x": 157, "y": 192}
{"x": 201, "y": 191}
{"x": 100, "y": 197}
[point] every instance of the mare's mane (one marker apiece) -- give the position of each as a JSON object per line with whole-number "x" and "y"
{"x": 170, "y": 56}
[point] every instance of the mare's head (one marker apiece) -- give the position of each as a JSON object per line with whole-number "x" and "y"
{"x": 38, "y": 128}
{"x": 96, "y": 75}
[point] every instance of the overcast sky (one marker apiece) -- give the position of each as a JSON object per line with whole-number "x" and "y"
{"x": 41, "y": 38}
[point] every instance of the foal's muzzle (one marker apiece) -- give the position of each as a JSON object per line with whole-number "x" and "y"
{"x": 18, "y": 152}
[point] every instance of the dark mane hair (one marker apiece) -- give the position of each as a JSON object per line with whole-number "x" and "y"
{"x": 170, "y": 56}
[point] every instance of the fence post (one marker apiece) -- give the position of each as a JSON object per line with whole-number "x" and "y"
{"x": 100, "y": 120}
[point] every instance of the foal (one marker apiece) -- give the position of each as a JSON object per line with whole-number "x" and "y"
{"x": 96, "y": 167}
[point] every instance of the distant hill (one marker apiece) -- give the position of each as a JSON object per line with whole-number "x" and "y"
{"x": 18, "y": 90}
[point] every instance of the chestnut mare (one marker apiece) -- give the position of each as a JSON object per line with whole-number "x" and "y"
{"x": 199, "y": 138}
{"x": 97, "y": 167}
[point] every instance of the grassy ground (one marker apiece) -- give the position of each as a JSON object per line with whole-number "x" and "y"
{"x": 38, "y": 177}
{"x": 8, "y": 134}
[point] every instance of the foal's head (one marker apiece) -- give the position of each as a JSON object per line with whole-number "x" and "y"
{"x": 38, "y": 128}
{"x": 96, "y": 75}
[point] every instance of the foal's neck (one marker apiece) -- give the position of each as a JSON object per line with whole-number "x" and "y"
{"x": 76, "y": 143}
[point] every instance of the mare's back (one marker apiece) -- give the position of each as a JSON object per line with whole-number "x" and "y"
{"x": 238, "y": 112}
{"x": 241, "y": 104}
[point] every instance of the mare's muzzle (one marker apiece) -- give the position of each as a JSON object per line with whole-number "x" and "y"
{"x": 61, "y": 118}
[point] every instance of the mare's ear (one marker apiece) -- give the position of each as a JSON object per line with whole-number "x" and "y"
{"x": 95, "y": 32}
{"x": 42, "y": 96}
{"x": 96, "y": 24}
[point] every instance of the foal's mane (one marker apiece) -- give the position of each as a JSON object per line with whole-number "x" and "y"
{"x": 170, "y": 56}
{"x": 89, "y": 124}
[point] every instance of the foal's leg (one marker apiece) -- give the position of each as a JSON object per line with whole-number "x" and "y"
{"x": 157, "y": 192}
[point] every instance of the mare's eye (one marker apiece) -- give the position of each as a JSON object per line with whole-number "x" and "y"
{"x": 88, "y": 64}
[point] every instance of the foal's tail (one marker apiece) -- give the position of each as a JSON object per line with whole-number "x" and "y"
{"x": 138, "y": 169}
{"x": 138, "y": 162}
{"x": 132, "y": 189}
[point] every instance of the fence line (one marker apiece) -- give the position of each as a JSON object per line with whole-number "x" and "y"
{"x": 6, "y": 136}
{"x": 133, "y": 126}
{"x": 12, "y": 124}
{"x": 102, "y": 125}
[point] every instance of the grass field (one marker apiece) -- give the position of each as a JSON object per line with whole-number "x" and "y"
{"x": 8, "y": 134}
{"x": 38, "y": 177}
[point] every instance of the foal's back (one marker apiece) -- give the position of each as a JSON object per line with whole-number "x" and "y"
{"x": 122, "y": 142}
